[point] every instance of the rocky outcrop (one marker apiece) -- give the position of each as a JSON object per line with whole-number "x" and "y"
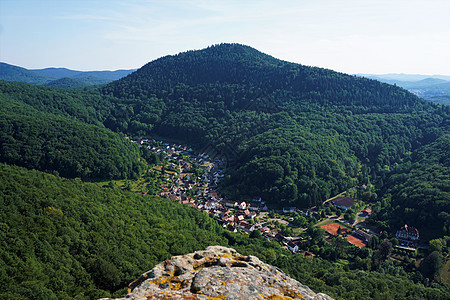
{"x": 217, "y": 273}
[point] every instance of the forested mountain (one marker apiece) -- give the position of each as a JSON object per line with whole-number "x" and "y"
{"x": 59, "y": 73}
{"x": 48, "y": 130}
{"x": 59, "y": 77}
{"x": 418, "y": 191}
{"x": 294, "y": 134}
{"x": 14, "y": 73}
{"x": 66, "y": 83}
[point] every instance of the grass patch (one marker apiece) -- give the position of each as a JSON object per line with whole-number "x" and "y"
{"x": 325, "y": 222}
{"x": 297, "y": 231}
{"x": 344, "y": 225}
{"x": 341, "y": 262}
{"x": 337, "y": 196}
{"x": 360, "y": 219}
{"x": 446, "y": 273}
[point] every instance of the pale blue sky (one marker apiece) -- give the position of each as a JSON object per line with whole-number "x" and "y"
{"x": 351, "y": 36}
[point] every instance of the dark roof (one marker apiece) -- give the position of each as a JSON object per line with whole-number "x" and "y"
{"x": 291, "y": 244}
{"x": 361, "y": 234}
{"x": 344, "y": 201}
{"x": 410, "y": 230}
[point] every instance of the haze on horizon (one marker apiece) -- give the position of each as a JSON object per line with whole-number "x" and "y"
{"x": 351, "y": 36}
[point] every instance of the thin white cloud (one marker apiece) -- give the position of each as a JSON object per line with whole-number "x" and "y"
{"x": 87, "y": 17}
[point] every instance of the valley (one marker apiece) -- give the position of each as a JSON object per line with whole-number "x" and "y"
{"x": 340, "y": 181}
{"x": 192, "y": 179}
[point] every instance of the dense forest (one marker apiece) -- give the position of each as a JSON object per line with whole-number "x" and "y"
{"x": 55, "y": 141}
{"x": 67, "y": 239}
{"x": 292, "y": 134}
{"x": 418, "y": 191}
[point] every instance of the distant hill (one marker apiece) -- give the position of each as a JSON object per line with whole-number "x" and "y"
{"x": 55, "y": 72}
{"x": 52, "y": 76}
{"x": 63, "y": 72}
{"x": 435, "y": 88}
{"x": 403, "y": 77}
{"x": 77, "y": 82}
{"x": 66, "y": 83}
{"x": 14, "y": 73}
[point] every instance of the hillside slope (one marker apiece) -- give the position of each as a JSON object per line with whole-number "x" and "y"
{"x": 13, "y": 73}
{"x": 65, "y": 239}
{"x": 292, "y": 134}
{"x": 52, "y": 76}
{"x": 49, "y": 130}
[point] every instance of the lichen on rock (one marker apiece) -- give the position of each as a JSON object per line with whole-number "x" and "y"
{"x": 217, "y": 273}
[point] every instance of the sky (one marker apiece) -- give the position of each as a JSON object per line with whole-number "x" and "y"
{"x": 350, "y": 36}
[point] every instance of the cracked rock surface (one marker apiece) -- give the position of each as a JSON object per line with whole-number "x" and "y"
{"x": 217, "y": 273}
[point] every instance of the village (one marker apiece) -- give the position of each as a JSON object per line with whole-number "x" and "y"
{"x": 192, "y": 178}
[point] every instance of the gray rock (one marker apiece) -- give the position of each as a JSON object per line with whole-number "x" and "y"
{"x": 217, "y": 273}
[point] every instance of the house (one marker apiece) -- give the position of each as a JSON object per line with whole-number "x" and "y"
{"x": 289, "y": 209}
{"x": 239, "y": 218}
{"x": 273, "y": 232}
{"x": 253, "y": 208}
{"x": 343, "y": 202}
{"x": 293, "y": 247}
{"x": 209, "y": 205}
{"x": 407, "y": 235}
{"x": 225, "y": 212}
{"x": 228, "y": 219}
{"x": 366, "y": 212}
{"x": 310, "y": 254}
{"x": 251, "y": 215}
{"x": 363, "y": 236}
{"x": 243, "y": 205}
{"x": 279, "y": 237}
{"x": 231, "y": 203}
{"x": 246, "y": 227}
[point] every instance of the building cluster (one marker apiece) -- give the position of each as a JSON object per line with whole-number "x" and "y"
{"x": 198, "y": 190}
{"x": 407, "y": 236}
